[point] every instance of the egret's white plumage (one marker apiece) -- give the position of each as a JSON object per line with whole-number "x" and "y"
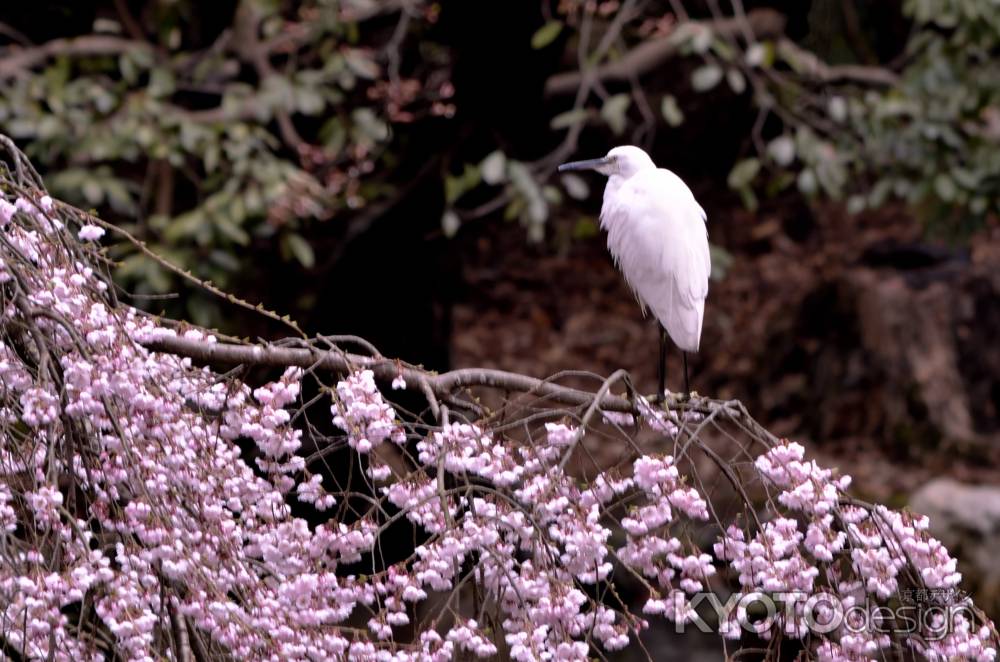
{"x": 658, "y": 238}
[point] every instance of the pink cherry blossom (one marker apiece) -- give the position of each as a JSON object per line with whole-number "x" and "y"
{"x": 91, "y": 233}
{"x": 156, "y": 496}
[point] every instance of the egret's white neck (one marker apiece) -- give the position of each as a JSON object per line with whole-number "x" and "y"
{"x": 625, "y": 166}
{"x": 617, "y": 179}
{"x": 615, "y": 182}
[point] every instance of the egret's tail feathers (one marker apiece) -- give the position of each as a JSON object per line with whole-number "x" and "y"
{"x": 683, "y": 324}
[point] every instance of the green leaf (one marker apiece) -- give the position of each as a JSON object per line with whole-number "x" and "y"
{"x": 127, "y": 65}
{"x": 778, "y": 183}
{"x": 837, "y": 108}
{"x": 568, "y": 119}
{"x": 576, "y": 187}
{"x": 536, "y": 233}
{"x": 333, "y": 135}
{"x": 277, "y": 92}
{"x": 552, "y": 194}
{"x": 831, "y": 173}
{"x": 300, "y": 248}
{"x": 585, "y": 228}
{"x": 456, "y": 187}
{"x": 722, "y": 48}
{"x": 184, "y": 225}
{"x": 308, "y": 100}
{"x": 369, "y": 128}
{"x": 807, "y": 182}
{"x": 722, "y": 260}
{"x": 856, "y": 204}
{"x": 513, "y": 210}
{"x": 450, "y": 223}
{"x": 362, "y": 63}
{"x": 211, "y": 159}
{"x": 761, "y": 54}
{"x": 132, "y": 266}
{"x": 945, "y": 187}
{"x": 880, "y": 193}
{"x": 671, "y": 111}
{"x": 966, "y": 178}
{"x": 782, "y": 150}
{"x": 614, "y": 111}
{"x": 92, "y": 191}
{"x": 701, "y": 39}
{"x": 737, "y": 83}
{"x": 493, "y": 167}
{"x": 232, "y": 231}
{"x": 536, "y": 208}
{"x": 706, "y": 77}
{"x": 749, "y": 198}
{"x": 743, "y": 173}
{"x": 156, "y": 277}
{"x": 546, "y": 34}
{"x": 118, "y": 196}
{"x": 161, "y": 83}
{"x": 224, "y": 259}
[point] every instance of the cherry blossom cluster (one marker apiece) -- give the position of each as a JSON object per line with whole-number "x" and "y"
{"x": 881, "y": 544}
{"x": 551, "y": 523}
{"x": 156, "y": 497}
{"x": 361, "y": 411}
{"x": 149, "y": 440}
{"x": 154, "y": 449}
{"x": 960, "y": 639}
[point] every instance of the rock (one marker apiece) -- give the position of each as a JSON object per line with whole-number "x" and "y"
{"x": 909, "y": 332}
{"x": 908, "y": 358}
{"x": 966, "y": 518}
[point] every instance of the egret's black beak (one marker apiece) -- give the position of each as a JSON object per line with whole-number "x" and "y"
{"x": 589, "y": 164}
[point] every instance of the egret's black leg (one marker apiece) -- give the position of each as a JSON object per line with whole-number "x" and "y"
{"x": 663, "y": 364}
{"x": 687, "y": 387}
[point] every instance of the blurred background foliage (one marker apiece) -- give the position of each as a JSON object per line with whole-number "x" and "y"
{"x": 216, "y": 132}
{"x": 238, "y": 134}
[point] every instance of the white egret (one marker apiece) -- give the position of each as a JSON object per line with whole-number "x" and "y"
{"x": 657, "y": 235}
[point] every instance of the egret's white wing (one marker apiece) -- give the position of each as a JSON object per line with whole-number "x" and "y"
{"x": 656, "y": 233}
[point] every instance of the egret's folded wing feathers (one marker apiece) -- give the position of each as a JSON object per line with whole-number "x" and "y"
{"x": 656, "y": 233}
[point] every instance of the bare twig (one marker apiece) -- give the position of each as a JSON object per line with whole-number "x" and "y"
{"x": 186, "y": 275}
{"x": 806, "y": 64}
{"x": 14, "y": 34}
{"x": 128, "y": 21}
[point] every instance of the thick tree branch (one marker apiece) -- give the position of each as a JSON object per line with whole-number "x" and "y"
{"x": 17, "y": 61}
{"x": 360, "y": 12}
{"x": 762, "y": 23}
{"x": 248, "y": 46}
{"x": 765, "y": 23}
{"x": 806, "y": 64}
{"x": 441, "y": 385}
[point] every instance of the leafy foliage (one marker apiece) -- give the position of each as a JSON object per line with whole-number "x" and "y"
{"x": 934, "y": 140}
{"x": 929, "y": 137}
{"x": 225, "y": 146}
{"x": 220, "y": 149}
{"x": 923, "y": 125}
